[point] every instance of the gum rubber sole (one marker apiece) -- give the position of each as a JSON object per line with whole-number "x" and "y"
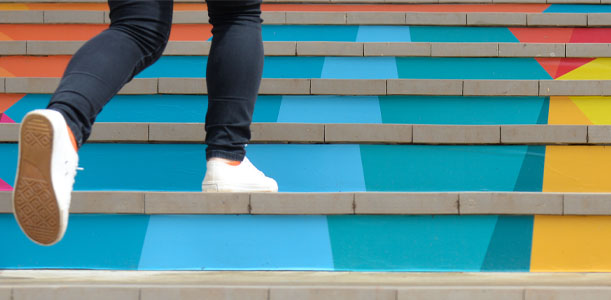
{"x": 35, "y": 205}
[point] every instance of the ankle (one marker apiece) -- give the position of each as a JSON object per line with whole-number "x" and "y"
{"x": 72, "y": 139}
{"x": 225, "y": 160}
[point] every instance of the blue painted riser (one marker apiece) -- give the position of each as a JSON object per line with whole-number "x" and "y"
{"x": 366, "y": 68}
{"x": 330, "y": 243}
{"x": 311, "y": 168}
{"x": 321, "y": 109}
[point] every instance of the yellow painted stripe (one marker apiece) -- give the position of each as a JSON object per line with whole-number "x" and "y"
{"x": 13, "y": 6}
{"x": 571, "y": 244}
{"x": 595, "y": 108}
{"x": 598, "y": 69}
{"x": 563, "y": 111}
{"x": 577, "y": 169}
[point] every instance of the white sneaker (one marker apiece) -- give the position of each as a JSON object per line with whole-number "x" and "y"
{"x": 45, "y": 176}
{"x": 223, "y": 177}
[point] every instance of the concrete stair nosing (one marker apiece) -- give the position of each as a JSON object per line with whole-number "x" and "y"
{"x": 358, "y": 49}
{"x": 513, "y": 19}
{"x": 345, "y": 203}
{"x": 318, "y": 133}
{"x": 316, "y": 86}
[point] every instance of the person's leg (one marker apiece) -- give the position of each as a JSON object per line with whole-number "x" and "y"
{"x": 136, "y": 38}
{"x": 47, "y": 157}
{"x": 235, "y": 66}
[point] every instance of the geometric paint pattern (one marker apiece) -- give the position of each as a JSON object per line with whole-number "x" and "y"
{"x": 314, "y": 168}
{"x": 337, "y": 33}
{"x": 346, "y": 168}
{"x": 534, "y": 168}
{"x": 265, "y": 242}
{"x": 453, "y": 243}
{"x": 317, "y": 67}
{"x": 464, "y": 110}
{"x": 487, "y": 243}
{"x": 5, "y": 186}
{"x": 523, "y": 8}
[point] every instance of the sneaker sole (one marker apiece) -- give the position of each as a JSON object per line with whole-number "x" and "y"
{"x": 224, "y": 188}
{"x": 34, "y": 200}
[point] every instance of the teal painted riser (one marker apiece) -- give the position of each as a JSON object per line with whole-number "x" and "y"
{"x": 310, "y": 168}
{"x": 366, "y": 68}
{"x": 578, "y": 8}
{"x": 322, "y": 109}
{"x": 355, "y": 33}
{"x": 245, "y": 242}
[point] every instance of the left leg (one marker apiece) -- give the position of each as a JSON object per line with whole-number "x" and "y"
{"x": 235, "y": 66}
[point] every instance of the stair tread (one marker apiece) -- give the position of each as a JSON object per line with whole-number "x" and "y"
{"x": 25, "y": 278}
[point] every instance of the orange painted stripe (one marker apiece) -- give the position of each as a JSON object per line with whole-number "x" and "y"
{"x": 8, "y": 100}
{"x": 13, "y": 6}
{"x": 190, "y": 6}
{"x": 563, "y": 111}
{"x": 5, "y": 73}
{"x": 35, "y": 66}
{"x": 191, "y": 32}
{"x": 52, "y": 32}
{"x": 82, "y": 32}
{"x": 4, "y": 37}
{"x": 524, "y": 8}
{"x": 69, "y": 6}
{"x": 530, "y": 8}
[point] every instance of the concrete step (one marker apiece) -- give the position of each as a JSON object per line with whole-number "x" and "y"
{"x": 459, "y": 49}
{"x": 318, "y": 12}
{"x": 144, "y": 285}
{"x": 518, "y": 19}
{"x": 351, "y": 134}
{"x": 360, "y": 203}
{"x": 35, "y": 33}
{"x": 317, "y": 86}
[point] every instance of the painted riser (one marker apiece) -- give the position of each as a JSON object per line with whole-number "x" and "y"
{"x": 328, "y": 243}
{"x": 332, "y": 33}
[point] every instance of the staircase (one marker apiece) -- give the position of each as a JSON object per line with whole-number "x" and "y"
{"x": 423, "y": 150}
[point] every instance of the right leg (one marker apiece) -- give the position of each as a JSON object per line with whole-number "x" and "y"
{"x": 136, "y": 38}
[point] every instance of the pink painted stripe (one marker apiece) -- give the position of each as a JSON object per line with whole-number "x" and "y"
{"x": 5, "y": 186}
{"x": 5, "y": 119}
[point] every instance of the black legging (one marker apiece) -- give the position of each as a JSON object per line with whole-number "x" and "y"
{"x": 136, "y": 38}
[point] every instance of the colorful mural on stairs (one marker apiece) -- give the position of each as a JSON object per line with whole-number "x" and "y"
{"x": 486, "y": 68}
{"x": 312, "y": 109}
{"x": 461, "y": 243}
{"x": 516, "y": 8}
{"x": 484, "y": 243}
{"x": 338, "y": 33}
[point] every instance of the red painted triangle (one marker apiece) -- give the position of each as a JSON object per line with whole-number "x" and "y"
{"x": 5, "y": 119}
{"x": 570, "y": 64}
{"x": 557, "y": 67}
{"x": 542, "y": 35}
{"x": 550, "y": 65}
{"x": 5, "y": 186}
{"x": 591, "y": 35}
{"x": 8, "y": 100}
